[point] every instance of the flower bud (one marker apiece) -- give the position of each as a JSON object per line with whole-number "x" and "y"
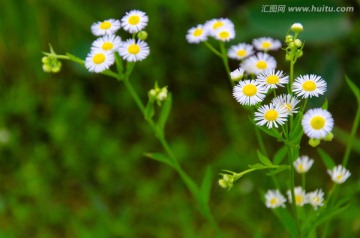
{"x": 297, "y": 27}
{"x": 47, "y": 68}
{"x": 142, "y": 35}
{"x": 223, "y": 183}
{"x": 314, "y": 142}
{"x": 45, "y": 60}
{"x": 289, "y": 38}
{"x": 329, "y": 137}
{"x": 298, "y": 43}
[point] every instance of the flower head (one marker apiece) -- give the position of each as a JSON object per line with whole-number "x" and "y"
{"x": 300, "y": 196}
{"x": 339, "y": 174}
{"x": 196, "y": 34}
{"x": 224, "y": 33}
{"x": 274, "y": 199}
{"x": 297, "y": 27}
{"x": 99, "y": 60}
{"x": 303, "y": 164}
{"x": 107, "y": 43}
{"x": 237, "y": 74}
{"x": 287, "y": 101}
{"x": 272, "y": 79}
{"x": 266, "y": 44}
{"x": 270, "y": 115}
{"x": 317, "y": 123}
{"x": 107, "y": 27}
{"x": 213, "y": 25}
{"x": 240, "y": 51}
{"x": 315, "y": 198}
{"x": 131, "y": 50}
{"x": 134, "y": 21}
{"x": 249, "y": 92}
{"x": 258, "y": 63}
{"x": 309, "y": 86}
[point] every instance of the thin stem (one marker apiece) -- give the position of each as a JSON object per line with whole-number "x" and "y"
{"x": 212, "y": 49}
{"x": 226, "y": 62}
{"x": 303, "y": 180}
{"x": 352, "y": 137}
{"x": 260, "y": 141}
{"x": 292, "y": 185}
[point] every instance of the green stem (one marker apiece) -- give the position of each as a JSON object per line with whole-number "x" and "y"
{"x": 292, "y": 185}
{"x": 212, "y": 49}
{"x": 224, "y": 58}
{"x": 260, "y": 141}
{"x": 352, "y": 137}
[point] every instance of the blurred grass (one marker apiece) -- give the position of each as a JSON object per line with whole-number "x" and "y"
{"x": 72, "y": 144}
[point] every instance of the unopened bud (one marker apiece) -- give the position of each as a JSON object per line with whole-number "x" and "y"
{"x": 297, "y": 27}
{"x": 45, "y": 60}
{"x": 329, "y": 137}
{"x": 47, "y": 68}
{"x": 142, "y": 35}
{"x": 298, "y": 43}
{"x": 314, "y": 142}
{"x": 289, "y": 38}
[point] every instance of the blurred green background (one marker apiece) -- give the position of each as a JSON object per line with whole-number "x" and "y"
{"x": 72, "y": 144}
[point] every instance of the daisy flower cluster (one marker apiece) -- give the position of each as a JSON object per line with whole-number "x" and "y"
{"x": 101, "y": 55}
{"x": 274, "y": 198}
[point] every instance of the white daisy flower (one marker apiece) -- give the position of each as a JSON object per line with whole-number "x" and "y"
{"x": 99, "y": 60}
{"x": 274, "y": 199}
{"x": 240, "y": 51}
{"x": 107, "y": 43}
{"x": 107, "y": 27}
{"x": 303, "y": 164}
{"x": 287, "y": 101}
{"x": 225, "y": 33}
{"x": 317, "y": 123}
{"x": 271, "y": 79}
{"x": 134, "y": 21}
{"x": 300, "y": 196}
{"x": 339, "y": 174}
{"x": 237, "y": 74}
{"x": 196, "y": 34}
{"x": 309, "y": 86}
{"x": 213, "y": 25}
{"x": 266, "y": 44}
{"x": 131, "y": 50}
{"x": 249, "y": 92}
{"x": 270, "y": 115}
{"x": 258, "y": 63}
{"x": 315, "y": 198}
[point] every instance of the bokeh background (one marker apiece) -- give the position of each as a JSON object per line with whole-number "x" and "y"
{"x": 72, "y": 143}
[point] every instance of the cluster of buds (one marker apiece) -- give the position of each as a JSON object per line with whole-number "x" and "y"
{"x": 315, "y": 142}
{"x": 294, "y": 45}
{"x": 51, "y": 64}
{"x": 226, "y": 181}
{"x": 158, "y": 94}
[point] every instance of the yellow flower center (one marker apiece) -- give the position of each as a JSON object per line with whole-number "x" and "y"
{"x": 273, "y": 201}
{"x": 107, "y": 46}
{"x": 339, "y": 177}
{"x": 134, "y": 20}
{"x": 134, "y": 49}
{"x": 299, "y": 199}
{"x": 261, "y": 64}
{"x": 301, "y": 168}
{"x": 99, "y": 58}
{"x": 218, "y": 24}
{"x": 317, "y": 122}
{"x": 272, "y": 79}
{"x": 224, "y": 35}
{"x": 316, "y": 200}
{"x": 266, "y": 45}
{"x": 309, "y": 86}
{"x": 105, "y": 25}
{"x": 198, "y": 32}
{"x": 241, "y": 53}
{"x": 271, "y": 115}
{"x": 287, "y": 106}
{"x": 249, "y": 90}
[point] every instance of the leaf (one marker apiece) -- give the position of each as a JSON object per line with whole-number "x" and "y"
{"x": 280, "y": 155}
{"x": 325, "y": 104}
{"x": 205, "y": 188}
{"x": 278, "y": 170}
{"x": 149, "y": 109}
{"x": 268, "y": 131}
{"x": 287, "y": 220}
{"x": 354, "y": 89}
{"x": 326, "y": 158}
{"x": 263, "y": 159}
{"x": 164, "y": 113}
{"x": 257, "y": 166}
{"x": 119, "y": 64}
{"x": 296, "y": 128}
{"x": 160, "y": 157}
{"x": 343, "y": 137}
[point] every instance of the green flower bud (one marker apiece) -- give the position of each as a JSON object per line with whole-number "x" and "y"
{"x": 223, "y": 183}
{"x": 288, "y": 57}
{"x": 329, "y": 137}
{"x": 298, "y": 43}
{"x": 142, "y": 35}
{"x": 291, "y": 44}
{"x": 289, "y": 38}
{"x": 45, "y": 60}
{"x": 47, "y": 68}
{"x": 314, "y": 142}
{"x": 297, "y": 27}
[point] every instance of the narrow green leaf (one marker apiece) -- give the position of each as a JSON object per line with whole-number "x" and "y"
{"x": 296, "y": 128}
{"x": 119, "y": 64}
{"x": 354, "y": 89}
{"x": 278, "y": 170}
{"x": 326, "y": 158}
{"x": 263, "y": 159}
{"x": 343, "y": 137}
{"x": 257, "y": 166}
{"x": 205, "y": 188}
{"x": 287, "y": 221}
{"x": 280, "y": 155}
{"x": 149, "y": 109}
{"x": 325, "y": 105}
{"x": 164, "y": 113}
{"x": 160, "y": 157}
